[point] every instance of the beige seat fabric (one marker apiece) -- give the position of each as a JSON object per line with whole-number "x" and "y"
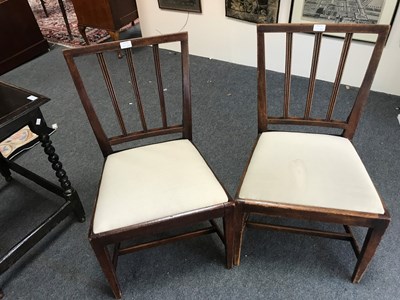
{"x": 152, "y": 182}
{"x": 309, "y": 169}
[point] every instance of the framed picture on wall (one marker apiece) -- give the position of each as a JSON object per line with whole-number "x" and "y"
{"x": 344, "y": 11}
{"x": 182, "y": 5}
{"x": 257, "y": 11}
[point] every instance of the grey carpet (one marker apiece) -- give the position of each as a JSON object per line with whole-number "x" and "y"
{"x": 274, "y": 265}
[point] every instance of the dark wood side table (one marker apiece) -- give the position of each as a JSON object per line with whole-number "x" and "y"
{"x": 19, "y": 107}
{"x": 110, "y": 15}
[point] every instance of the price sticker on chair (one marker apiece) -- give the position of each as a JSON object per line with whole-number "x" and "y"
{"x": 319, "y": 27}
{"x": 31, "y": 97}
{"x": 125, "y": 44}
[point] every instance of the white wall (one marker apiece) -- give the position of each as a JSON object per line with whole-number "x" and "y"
{"x": 215, "y": 36}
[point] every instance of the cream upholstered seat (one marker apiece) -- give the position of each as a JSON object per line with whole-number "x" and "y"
{"x": 153, "y": 182}
{"x": 296, "y": 173}
{"x": 309, "y": 169}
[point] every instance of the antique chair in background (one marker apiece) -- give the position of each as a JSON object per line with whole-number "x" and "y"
{"x": 148, "y": 189}
{"x": 304, "y": 165}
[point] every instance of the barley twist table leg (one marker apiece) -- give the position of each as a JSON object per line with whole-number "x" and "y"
{"x": 69, "y": 192}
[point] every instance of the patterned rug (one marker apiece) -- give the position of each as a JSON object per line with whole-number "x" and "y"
{"x": 53, "y": 27}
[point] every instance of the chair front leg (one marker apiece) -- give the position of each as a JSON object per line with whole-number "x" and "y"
{"x": 240, "y": 220}
{"x": 229, "y": 232}
{"x": 371, "y": 242}
{"x": 104, "y": 258}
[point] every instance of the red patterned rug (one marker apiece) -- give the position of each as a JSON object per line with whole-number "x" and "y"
{"x": 53, "y": 27}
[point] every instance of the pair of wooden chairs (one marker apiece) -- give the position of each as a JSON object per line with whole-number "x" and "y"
{"x": 148, "y": 189}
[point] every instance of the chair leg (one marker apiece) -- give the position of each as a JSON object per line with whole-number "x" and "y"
{"x": 82, "y": 31}
{"x": 240, "y": 218}
{"x": 229, "y": 230}
{"x": 114, "y": 34}
{"x": 103, "y": 256}
{"x": 374, "y": 236}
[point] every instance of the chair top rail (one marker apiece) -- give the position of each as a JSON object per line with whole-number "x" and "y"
{"x": 136, "y": 43}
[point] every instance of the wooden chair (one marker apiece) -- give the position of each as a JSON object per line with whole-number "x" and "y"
{"x": 147, "y": 190}
{"x": 311, "y": 175}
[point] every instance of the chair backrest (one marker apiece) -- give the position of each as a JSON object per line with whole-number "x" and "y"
{"x": 131, "y": 87}
{"x": 306, "y": 117}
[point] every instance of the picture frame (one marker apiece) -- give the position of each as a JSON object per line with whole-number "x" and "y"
{"x": 344, "y": 11}
{"x": 256, "y": 11}
{"x": 181, "y": 5}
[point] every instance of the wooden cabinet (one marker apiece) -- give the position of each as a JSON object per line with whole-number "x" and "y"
{"x": 110, "y": 15}
{"x": 21, "y": 39}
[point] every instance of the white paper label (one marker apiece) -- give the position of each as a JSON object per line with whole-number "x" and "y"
{"x": 31, "y": 97}
{"x": 126, "y": 44}
{"x": 319, "y": 27}
{"x": 38, "y": 121}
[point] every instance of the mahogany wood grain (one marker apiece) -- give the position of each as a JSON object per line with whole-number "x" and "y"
{"x": 288, "y": 74}
{"x": 132, "y": 72}
{"x": 156, "y": 54}
{"x": 111, "y": 92}
{"x": 339, "y": 74}
{"x": 313, "y": 74}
